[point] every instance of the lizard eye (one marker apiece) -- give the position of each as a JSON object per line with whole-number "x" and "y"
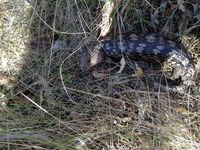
{"x": 88, "y": 61}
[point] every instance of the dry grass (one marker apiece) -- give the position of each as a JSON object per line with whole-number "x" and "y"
{"x": 48, "y": 103}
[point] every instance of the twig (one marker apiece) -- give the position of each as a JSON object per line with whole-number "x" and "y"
{"x": 106, "y": 19}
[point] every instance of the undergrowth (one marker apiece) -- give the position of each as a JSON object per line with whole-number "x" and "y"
{"x": 47, "y": 102}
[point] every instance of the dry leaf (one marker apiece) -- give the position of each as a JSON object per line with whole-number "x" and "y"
{"x": 138, "y": 72}
{"x": 99, "y": 75}
{"x": 106, "y": 17}
{"x": 122, "y": 65}
{"x": 4, "y": 79}
{"x": 77, "y": 116}
{"x": 80, "y": 121}
{"x": 181, "y": 5}
{"x": 168, "y": 29}
{"x": 19, "y": 100}
{"x": 183, "y": 111}
{"x": 154, "y": 17}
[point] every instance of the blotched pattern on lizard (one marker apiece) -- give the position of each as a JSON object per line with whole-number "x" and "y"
{"x": 147, "y": 47}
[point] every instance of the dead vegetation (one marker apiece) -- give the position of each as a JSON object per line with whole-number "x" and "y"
{"x": 47, "y": 102}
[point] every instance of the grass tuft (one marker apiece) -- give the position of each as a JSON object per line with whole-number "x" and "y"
{"x": 47, "y": 102}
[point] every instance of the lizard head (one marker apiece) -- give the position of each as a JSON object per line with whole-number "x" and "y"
{"x": 91, "y": 57}
{"x": 187, "y": 75}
